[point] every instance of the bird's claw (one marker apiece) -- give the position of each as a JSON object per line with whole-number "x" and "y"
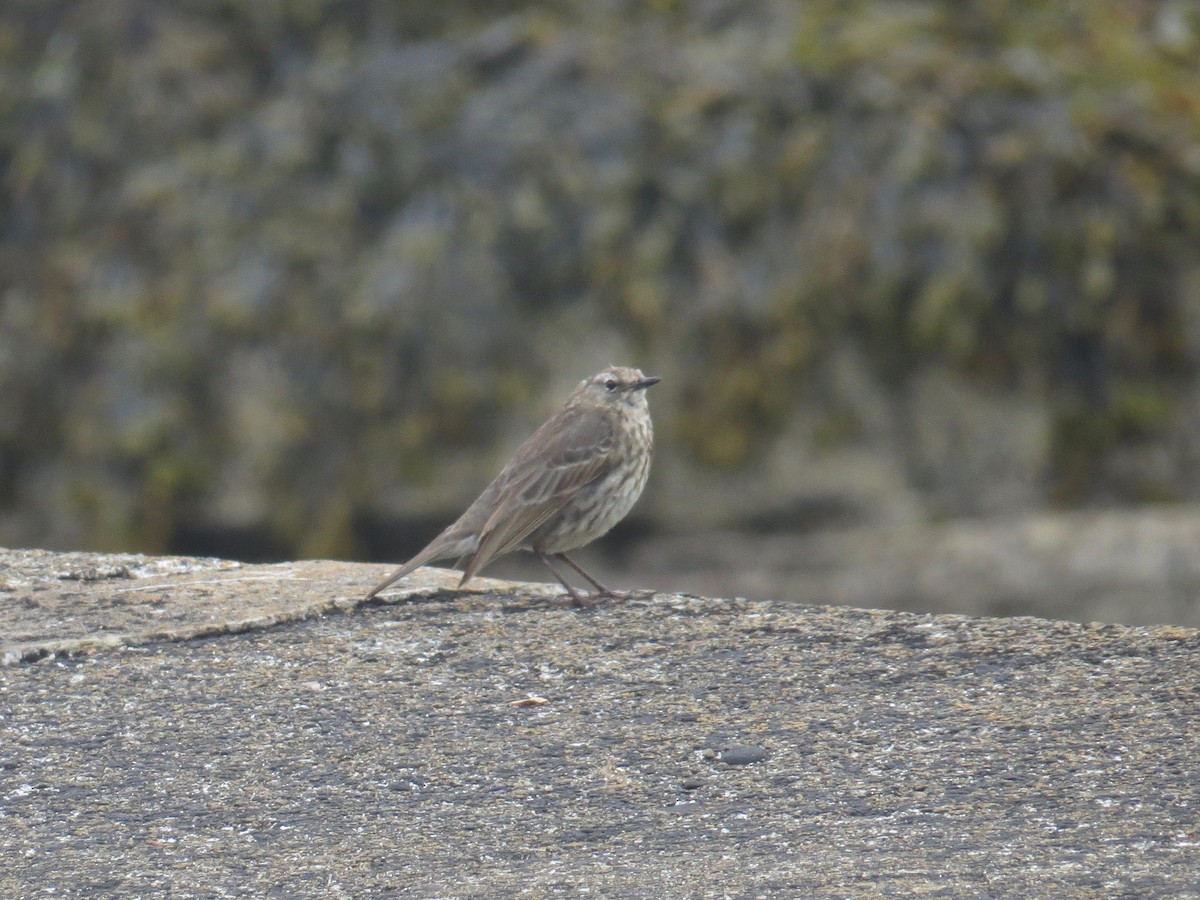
{"x": 593, "y": 600}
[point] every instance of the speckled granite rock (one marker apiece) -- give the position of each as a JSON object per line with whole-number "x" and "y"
{"x": 494, "y": 742}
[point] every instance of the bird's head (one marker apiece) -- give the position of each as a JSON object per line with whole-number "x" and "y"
{"x": 616, "y": 385}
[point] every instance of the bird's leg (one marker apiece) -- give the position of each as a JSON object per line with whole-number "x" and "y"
{"x": 601, "y": 589}
{"x": 579, "y": 601}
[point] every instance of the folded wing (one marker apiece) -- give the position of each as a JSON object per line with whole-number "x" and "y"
{"x": 569, "y": 452}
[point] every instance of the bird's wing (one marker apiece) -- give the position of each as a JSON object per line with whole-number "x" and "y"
{"x": 572, "y": 449}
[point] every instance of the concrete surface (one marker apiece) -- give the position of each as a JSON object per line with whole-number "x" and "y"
{"x": 206, "y": 729}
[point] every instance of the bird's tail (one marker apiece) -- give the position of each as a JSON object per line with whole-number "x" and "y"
{"x": 435, "y": 551}
{"x": 441, "y": 548}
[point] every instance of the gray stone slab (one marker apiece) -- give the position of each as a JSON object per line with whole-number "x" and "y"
{"x": 495, "y": 743}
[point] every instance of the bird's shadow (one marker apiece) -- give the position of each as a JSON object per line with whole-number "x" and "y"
{"x": 511, "y": 602}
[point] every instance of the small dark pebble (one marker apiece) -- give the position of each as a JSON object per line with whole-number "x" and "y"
{"x": 412, "y": 785}
{"x": 742, "y": 755}
{"x": 691, "y": 784}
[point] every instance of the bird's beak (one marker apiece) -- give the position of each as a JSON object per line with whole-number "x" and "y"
{"x": 642, "y": 383}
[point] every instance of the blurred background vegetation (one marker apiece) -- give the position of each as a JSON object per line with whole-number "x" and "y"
{"x": 290, "y": 279}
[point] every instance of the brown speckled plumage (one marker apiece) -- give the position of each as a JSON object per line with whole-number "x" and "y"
{"x": 575, "y": 478}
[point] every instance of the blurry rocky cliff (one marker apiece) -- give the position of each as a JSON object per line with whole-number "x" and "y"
{"x": 279, "y": 277}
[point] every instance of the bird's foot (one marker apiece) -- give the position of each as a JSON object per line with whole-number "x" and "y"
{"x": 643, "y": 594}
{"x": 591, "y": 601}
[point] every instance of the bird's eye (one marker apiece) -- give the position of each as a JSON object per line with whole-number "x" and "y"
{"x": 610, "y": 385}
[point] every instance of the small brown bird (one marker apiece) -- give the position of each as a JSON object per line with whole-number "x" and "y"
{"x": 575, "y": 478}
